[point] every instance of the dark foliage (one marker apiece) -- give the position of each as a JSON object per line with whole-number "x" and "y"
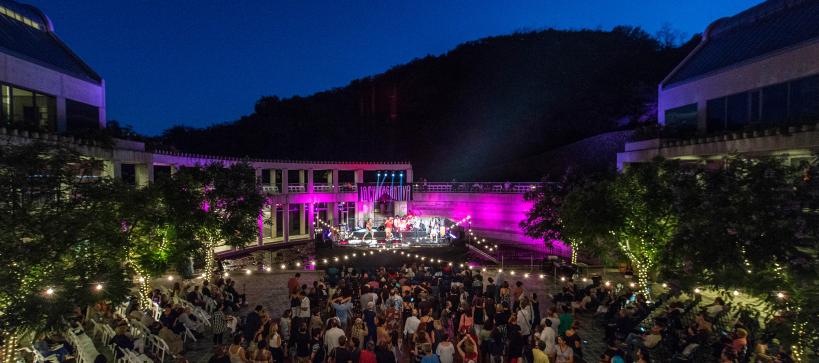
{"x": 482, "y": 104}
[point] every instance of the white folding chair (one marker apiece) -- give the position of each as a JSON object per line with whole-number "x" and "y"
{"x": 160, "y": 347}
{"x": 188, "y": 333}
{"x": 96, "y": 328}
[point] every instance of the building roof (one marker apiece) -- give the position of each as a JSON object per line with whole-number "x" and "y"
{"x": 26, "y": 33}
{"x": 763, "y": 29}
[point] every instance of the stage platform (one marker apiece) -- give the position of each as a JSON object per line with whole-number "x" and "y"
{"x": 400, "y": 240}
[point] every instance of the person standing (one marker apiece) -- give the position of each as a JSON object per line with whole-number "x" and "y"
{"x": 446, "y": 350}
{"x": 547, "y": 336}
{"x": 301, "y": 341}
{"x": 219, "y": 324}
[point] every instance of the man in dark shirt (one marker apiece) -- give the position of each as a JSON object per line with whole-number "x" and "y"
{"x": 252, "y": 323}
{"x": 491, "y": 289}
{"x": 383, "y": 354}
{"x": 340, "y": 353}
{"x": 302, "y": 343}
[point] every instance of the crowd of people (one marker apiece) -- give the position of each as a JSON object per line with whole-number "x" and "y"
{"x": 423, "y": 314}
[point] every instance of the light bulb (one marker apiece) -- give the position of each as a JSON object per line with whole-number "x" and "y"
{"x": 99, "y": 287}
{"x": 170, "y": 278}
{"x": 49, "y": 291}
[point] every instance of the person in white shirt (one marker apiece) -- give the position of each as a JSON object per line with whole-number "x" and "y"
{"x": 445, "y": 350}
{"x": 304, "y": 307}
{"x": 332, "y": 334}
{"x": 411, "y": 325}
{"x": 548, "y": 336}
{"x": 525, "y": 318}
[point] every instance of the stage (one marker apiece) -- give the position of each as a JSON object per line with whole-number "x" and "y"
{"x": 400, "y": 240}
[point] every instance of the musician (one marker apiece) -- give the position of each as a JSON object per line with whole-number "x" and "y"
{"x": 368, "y": 225}
{"x": 388, "y": 225}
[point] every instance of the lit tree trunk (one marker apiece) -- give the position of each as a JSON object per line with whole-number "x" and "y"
{"x": 210, "y": 260}
{"x": 575, "y": 245}
{"x": 8, "y": 352}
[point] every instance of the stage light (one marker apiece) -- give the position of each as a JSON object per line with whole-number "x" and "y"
{"x": 49, "y": 291}
{"x": 98, "y": 287}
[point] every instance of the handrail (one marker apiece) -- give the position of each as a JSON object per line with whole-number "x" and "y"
{"x": 476, "y": 187}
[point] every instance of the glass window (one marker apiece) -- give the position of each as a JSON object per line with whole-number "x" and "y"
{"x": 46, "y": 112}
{"x": 128, "y": 173}
{"x": 716, "y": 114}
{"x": 775, "y": 103}
{"x": 80, "y": 116}
{"x": 683, "y": 118}
{"x": 804, "y": 99}
{"x": 755, "y": 115}
{"x": 22, "y": 105}
{"x": 737, "y": 111}
{"x": 5, "y": 107}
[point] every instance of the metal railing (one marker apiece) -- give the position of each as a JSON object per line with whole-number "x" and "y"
{"x": 481, "y": 187}
{"x": 347, "y": 188}
{"x": 322, "y": 188}
{"x": 270, "y": 189}
{"x": 296, "y": 188}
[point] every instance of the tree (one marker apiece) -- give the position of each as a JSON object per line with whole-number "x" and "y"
{"x": 60, "y": 247}
{"x": 215, "y": 205}
{"x": 643, "y": 197}
{"x": 747, "y": 226}
{"x": 589, "y": 213}
{"x": 543, "y": 219}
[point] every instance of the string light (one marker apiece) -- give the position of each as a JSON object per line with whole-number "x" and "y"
{"x": 298, "y": 264}
{"x": 780, "y": 295}
{"x": 99, "y": 287}
{"x": 283, "y": 266}
{"x": 608, "y": 283}
{"x": 697, "y": 290}
{"x": 541, "y": 276}
{"x": 736, "y": 293}
{"x": 268, "y": 269}
{"x": 170, "y": 277}
{"x": 665, "y": 285}
{"x": 49, "y": 291}
{"x": 247, "y": 272}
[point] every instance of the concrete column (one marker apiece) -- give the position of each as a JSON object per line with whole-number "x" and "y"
{"x": 311, "y": 219}
{"x": 301, "y": 176}
{"x": 310, "y": 176}
{"x": 273, "y": 210}
{"x": 142, "y": 177}
{"x": 117, "y": 166}
{"x": 284, "y": 182}
{"x": 334, "y": 180}
{"x": 333, "y": 212}
{"x": 286, "y": 220}
{"x": 302, "y": 217}
{"x": 359, "y": 176}
{"x": 408, "y": 176}
{"x": 272, "y": 177}
{"x": 258, "y": 176}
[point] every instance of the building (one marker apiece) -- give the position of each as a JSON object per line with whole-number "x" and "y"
{"x": 44, "y": 86}
{"x": 751, "y": 86}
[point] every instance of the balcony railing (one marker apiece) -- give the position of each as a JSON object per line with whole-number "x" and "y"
{"x": 296, "y": 188}
{"x": 322, "y": 188}
{"x": 483, "y": 187}
{"x": 270, "y": 189}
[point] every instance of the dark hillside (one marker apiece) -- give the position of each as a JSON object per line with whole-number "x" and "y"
{"x": 482, "y": 104}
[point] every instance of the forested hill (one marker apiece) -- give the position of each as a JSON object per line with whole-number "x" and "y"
{"x": 481, "y": 104}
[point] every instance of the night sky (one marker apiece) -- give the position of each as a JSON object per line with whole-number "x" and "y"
{"x": 190, "y": 62}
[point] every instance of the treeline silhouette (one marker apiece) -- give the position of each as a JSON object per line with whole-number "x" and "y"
{"x": 482, "y": 104}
